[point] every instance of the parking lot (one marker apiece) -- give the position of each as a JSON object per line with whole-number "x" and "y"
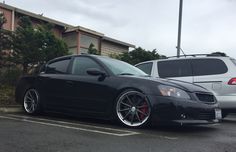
{"x": 49, "y": 132}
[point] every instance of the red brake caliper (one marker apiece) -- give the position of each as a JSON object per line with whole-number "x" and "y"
{"x": 144, "y": 109}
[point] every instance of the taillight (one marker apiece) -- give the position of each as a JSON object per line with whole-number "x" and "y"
{"x": 232, "y": 81}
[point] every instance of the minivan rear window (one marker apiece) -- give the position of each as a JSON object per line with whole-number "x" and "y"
{"x": 208, "y": 67}
{"x": 233, "y": 60}
{"x": 174, "y": 68}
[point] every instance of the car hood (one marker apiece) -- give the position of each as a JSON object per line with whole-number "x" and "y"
{"x": 187, "y": 86}
{"x": 190, "y": 87}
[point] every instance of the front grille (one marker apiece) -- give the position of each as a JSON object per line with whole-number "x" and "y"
{"x": 206, "y": 98}
{"x": 206, "y": 115}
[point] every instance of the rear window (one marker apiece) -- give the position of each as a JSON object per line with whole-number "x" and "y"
{"x": 146, "y": 67}
{"x": 174, "y": 68}
{"x": 208, "y": 67}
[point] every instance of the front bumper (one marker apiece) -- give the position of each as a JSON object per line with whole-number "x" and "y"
{"x": 182, "y": 111}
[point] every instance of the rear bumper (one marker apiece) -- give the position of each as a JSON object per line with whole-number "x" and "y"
{"x": 167, "y": 109}
{"x": 226, "y": 102}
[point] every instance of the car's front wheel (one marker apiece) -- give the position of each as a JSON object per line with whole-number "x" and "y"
{"x": 31, "y": 101}
{"x": 133, "y": 109}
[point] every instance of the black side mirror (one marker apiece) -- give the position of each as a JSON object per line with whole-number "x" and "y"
{"x": 96, "y": 72}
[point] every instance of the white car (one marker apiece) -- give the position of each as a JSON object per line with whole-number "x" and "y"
{"x": 213, "y": 72}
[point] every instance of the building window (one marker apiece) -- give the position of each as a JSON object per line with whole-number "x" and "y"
{"x": 86, "y": 41}
{"x": 71, "y": 41}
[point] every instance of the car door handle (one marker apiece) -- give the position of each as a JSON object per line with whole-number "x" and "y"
{"x": 69, "y": 83}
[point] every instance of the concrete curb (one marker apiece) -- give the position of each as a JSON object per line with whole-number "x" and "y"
{"x": 11, "y": 109}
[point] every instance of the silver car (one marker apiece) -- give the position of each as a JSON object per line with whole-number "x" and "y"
{"x": 213, "y": 72}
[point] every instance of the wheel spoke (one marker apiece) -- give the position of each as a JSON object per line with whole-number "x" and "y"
{"x": 136, "y": 113}
{"x": 131, "y": 103}
{"x": 33, "y": 107}
{"x": 132, "y": 118}
{"x": 28, "y": 101}
{"x": 125, "y": 104}
{"x": 139, "y": 101}
{"x": 126, "y": 115}
{"x": 124, "y": 109}
{"x": 29, "y": 98}
{"x": 143, "y": 106}
{"x": 142, "y": 112}
{"x": 29, "y": 106}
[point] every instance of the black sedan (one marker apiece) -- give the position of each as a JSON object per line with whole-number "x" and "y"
{"x": 101, "y": 87}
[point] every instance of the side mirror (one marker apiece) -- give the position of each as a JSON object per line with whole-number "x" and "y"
{"x": 95, "y": 72}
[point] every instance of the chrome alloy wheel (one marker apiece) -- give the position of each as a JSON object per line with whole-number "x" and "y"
{"x": 133, "y": 109}
{"x": 31, "y": 101}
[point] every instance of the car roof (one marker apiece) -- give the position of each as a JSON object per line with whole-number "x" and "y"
{"x": 71, "y": 56}
{"x": 201, "y": 56}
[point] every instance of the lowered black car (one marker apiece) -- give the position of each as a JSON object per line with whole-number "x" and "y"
{"x": 97, "y": 86}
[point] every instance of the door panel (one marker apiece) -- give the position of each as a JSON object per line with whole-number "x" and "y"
{"x": 88, "y": 94}
{"x": 55, "y": 90}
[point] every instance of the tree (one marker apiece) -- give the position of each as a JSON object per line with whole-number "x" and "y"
{"x": 34, "y": 45}
{"x": 5, "y": 38}
{"x": 139, "y": 55}
{"x": 93, "y": 50}
{"x": 52, "y": 46}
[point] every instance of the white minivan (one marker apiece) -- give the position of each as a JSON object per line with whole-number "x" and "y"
{"x": 213, "y": 72}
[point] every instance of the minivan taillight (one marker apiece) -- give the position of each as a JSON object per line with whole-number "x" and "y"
{"x": 232, "y": 81}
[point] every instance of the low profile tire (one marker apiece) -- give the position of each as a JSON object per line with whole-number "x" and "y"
{"x": 31, "y": 101}
{"x": 133, "y": 109}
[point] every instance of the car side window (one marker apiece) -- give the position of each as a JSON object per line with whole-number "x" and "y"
{"x": 174, "y": 68}
{"x": 146, "y": 67}
{"x": 208, "y": 67}
{"x": 58, "y": 67}
{"x": 82, "y": 64}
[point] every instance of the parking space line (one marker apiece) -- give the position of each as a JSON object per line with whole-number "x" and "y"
{"x": 70, "y": 123}
{"x": 95, "y": 130}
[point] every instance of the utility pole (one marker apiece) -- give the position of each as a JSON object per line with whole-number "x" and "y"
{"x": 179, "y": 28}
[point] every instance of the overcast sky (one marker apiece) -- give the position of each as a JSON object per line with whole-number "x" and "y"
{"x": 208, "y": 25}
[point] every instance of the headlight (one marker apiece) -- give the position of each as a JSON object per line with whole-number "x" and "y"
{"x": 173, "y": 92}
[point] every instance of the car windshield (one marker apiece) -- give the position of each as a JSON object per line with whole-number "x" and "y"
{"x": 121, "y": 68}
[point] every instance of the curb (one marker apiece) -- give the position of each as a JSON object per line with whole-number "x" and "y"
{"x": 10, "y": 109}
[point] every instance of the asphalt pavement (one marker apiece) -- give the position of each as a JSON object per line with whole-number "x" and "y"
{"x": 56, "y": 133}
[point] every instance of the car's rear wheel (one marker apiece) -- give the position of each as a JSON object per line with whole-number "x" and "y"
{"x": 31, "y": 101}
{"x": 133, "y": 109}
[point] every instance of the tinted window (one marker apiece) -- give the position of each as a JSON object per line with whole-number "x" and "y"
{"x": 58, "y": 67}
{"x": 146, "y": 67}
{"x": 208, "y": 67}
{"x": 118, "y": 67}
{"x": 174, "y": 68}
{"x": 82, "y": 64}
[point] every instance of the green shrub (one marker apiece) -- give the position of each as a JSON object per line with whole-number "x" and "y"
{"x": 7, "y": 95}
{"x": 10, "y": 76}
